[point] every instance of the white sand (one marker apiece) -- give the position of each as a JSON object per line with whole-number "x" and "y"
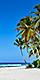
{"x": 18, "y": 73}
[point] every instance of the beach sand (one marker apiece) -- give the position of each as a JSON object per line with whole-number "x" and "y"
{"x": 19, "y": 73}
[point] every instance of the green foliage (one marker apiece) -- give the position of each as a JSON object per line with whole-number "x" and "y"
{"x": 36, "y": 63}
{"x": 29, "y": 33}
{"x": 37, "y": 7}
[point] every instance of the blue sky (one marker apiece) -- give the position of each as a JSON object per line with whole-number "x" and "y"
{"x": 11, "y": 11}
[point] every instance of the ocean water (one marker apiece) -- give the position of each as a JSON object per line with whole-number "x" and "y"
{"x": 11, "y": 65}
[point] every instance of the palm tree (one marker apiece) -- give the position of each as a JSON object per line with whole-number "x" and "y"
{"x": 29, "y": 33}
{"x": 36, "y": 25}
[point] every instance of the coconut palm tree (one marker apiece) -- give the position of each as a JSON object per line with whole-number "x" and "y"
{"x": 36, "y": 25}
{"x": 29, "y": 33}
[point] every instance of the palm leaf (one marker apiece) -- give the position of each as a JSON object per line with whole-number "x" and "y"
{"x": 37, "y": 13}
{"x": 16, "y": 44}
{"x": 29, "y": 34}
{"x": 17, "y": 41}
{"x": 37, "y": 7}
{"x": 26, "y": 20}
{"x": 20, "y": 28}
{"x": 31, "y": 53}
{"x": 19, "y": 33}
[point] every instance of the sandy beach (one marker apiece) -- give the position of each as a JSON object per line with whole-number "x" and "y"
{"x": 19, "y": 73}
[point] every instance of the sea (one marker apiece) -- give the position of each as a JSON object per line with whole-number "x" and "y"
{"x": 12, "y": 64}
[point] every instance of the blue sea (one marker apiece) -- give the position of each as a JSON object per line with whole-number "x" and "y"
{"x": 11, "y": 64}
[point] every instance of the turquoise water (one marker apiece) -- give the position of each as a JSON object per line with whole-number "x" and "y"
{"x": 10, "y": 65}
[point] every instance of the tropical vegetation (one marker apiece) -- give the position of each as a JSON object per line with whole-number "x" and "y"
{"x": 29, "y": 34}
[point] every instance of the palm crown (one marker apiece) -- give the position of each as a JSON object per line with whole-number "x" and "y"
{"x": 29, "y": 33}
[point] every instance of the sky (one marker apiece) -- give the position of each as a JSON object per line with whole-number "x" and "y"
{"x": 11, "y": 11}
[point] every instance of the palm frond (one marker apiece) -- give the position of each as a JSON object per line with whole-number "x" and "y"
{"x": 37, "y": 7}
